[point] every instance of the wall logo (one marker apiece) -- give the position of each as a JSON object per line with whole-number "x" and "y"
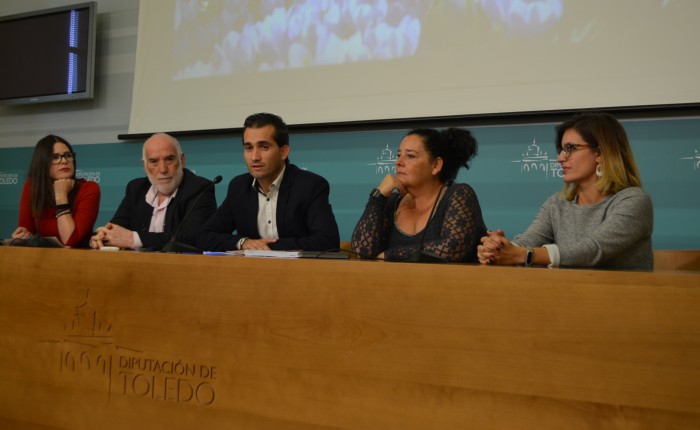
{"x": 90, "y": 356}
{"x": 88, "y": 175}
{"x": 386, "y": 162}
{"x": 695, "y": 158}
{"x": 534, "y": 160}
{"x": 9, "y": 178}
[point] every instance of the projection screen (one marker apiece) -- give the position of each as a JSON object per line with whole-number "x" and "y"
{"x": 207, "y": 64}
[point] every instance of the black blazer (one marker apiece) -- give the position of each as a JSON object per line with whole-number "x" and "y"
{"x": 304, "y": 216}
{"x": 135, "y": 213}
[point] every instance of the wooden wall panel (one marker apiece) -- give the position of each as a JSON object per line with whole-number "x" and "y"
{"x": 119, "y": 340}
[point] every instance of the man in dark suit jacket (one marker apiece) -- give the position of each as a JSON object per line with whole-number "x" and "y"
{"x": 154, "y": 207}
{"x": 276, "y": 205}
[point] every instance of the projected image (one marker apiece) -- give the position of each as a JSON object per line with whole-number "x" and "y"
{"x": 524, "y": 17}
{"x": 356, "y": 61}
{"x": 226, "y": 37}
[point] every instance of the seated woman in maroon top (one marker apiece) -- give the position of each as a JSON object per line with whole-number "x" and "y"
{"x": 53, "y": 202}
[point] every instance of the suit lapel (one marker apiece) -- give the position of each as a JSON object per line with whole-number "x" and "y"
{"x": 170, "y": 211}
{"x": 249, "y": 210}
{"x": 283, "y": 200}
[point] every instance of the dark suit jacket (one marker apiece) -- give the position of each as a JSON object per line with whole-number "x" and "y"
{"x": 135, "y": 213}
{"x": 305, "y": 219}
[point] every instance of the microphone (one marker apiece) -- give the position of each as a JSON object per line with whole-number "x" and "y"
{"x": 179, "y": 247}
{"x": 422, "y": 256}
{"x": 37, "y": 240}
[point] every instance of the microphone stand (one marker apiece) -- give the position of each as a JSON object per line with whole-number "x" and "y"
{"x": 179, "y": 247}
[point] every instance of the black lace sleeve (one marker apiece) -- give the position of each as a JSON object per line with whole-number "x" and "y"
{"x": 372, "y": 231}
{"x": 453, "y": 233}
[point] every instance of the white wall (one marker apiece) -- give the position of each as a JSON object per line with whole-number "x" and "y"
{"x": 90, "y": 121}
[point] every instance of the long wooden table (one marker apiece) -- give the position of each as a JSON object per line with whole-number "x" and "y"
{"x": 128, "y": 340}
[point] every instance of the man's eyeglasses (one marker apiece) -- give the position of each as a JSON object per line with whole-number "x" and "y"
{"x": 570, "y": 148}
{"x": 56, "y": 158}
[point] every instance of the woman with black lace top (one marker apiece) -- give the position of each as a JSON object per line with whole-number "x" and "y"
{"x": 420, "y": 214}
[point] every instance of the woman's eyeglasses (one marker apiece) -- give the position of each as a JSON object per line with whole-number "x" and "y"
{"x": 56, "y": 158}
{"x": 570, "y": 148}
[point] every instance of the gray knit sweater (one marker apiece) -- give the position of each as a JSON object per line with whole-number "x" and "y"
{"x": 613, "y": 234}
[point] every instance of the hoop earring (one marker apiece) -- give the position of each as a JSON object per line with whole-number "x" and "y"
{"x": 598, "y": 170}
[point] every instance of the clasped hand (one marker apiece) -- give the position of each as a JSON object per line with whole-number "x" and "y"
{"x": 112, "y": 235}
{"x": 497, "y": 249}
{"x": 258, "y": 244}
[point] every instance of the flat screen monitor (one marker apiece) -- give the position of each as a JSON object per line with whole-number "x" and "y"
{"x": 48, "y": 55}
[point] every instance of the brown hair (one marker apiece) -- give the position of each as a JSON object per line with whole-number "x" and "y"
{"x": 42, "y": 195}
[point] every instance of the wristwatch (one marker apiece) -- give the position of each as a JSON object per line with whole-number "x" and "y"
{"x": 376, "y": 194}
{"x": 240, "y": 243}
{"x": 528, "y": 257}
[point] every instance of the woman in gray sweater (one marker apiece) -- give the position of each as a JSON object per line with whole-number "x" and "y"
{"x": 602, "y": 218}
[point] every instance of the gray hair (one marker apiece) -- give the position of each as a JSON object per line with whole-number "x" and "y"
{"x": 172, "y": 140}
